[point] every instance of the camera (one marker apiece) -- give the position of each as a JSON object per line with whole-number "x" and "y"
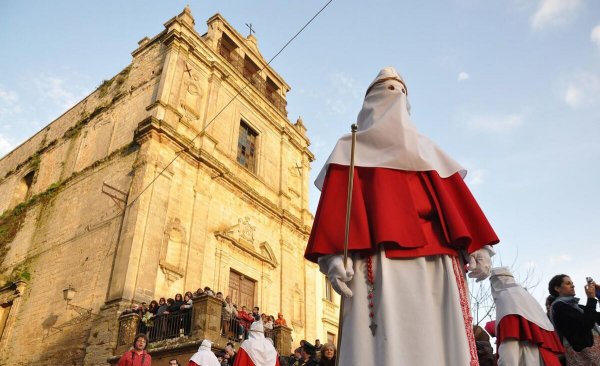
{"x": 590, "y": 280}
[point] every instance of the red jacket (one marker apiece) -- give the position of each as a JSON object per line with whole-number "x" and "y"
{"x": 131, "y": 358}
{"x": 245, "y": 319}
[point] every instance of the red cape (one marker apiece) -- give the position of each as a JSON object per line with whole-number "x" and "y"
{"x": 517, "y": 327}
{"x": 242, "y": 359}
{"x": 412, "y": 214}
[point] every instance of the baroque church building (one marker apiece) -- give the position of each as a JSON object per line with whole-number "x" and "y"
{"x": 180, "y": 172}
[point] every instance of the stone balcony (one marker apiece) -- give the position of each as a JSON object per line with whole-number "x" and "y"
{"x": 205, "y": 323}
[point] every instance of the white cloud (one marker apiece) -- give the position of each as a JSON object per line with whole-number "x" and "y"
{"x": 5, "y": 145}
{"x": 496, "y": 123}
{"x": 345, "y": 91}
{"x": 9, "y": 105}
{"x": 57, "y": 92}
{"x": 574, "y": 96}
{"x": 553, "y": 13}
{"x": 582, "y": 91}
{"x": 595, "y": 35}
{"x": 8, "y": 96}
{"x": 463, "y": 76}
{"x": 561, "y": 258}
{"x": 476, "y": 177}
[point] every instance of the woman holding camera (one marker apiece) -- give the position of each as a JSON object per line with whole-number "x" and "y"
{"x": 578, "y": 325}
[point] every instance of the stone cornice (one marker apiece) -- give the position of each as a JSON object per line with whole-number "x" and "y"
{"x": 152, "y": 128}
{"x": 226, "y": 237}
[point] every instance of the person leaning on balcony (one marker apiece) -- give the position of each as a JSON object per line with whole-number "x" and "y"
{"x": 162, "y": 306}
{"x": 227, "y": 314}
{"x": 245, "y": 320}
{"x": 138, "y": 355}
{"x": 280, "y": 320}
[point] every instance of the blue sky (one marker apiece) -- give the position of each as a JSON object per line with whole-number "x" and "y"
{"x": 510, "y": 89}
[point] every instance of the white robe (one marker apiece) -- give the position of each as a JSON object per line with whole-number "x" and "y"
{"x": 418, "y": 314}
{"x": 513, "y": 352}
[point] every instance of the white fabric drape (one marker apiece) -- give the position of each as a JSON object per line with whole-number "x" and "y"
{"x": 417, "y": 311}
{"x": 386, "y": 136}
{"x": 513, "y": 353}
{"x": 204, "y": 356}
{"x": 512, "y": 299}
{"x": 259, "y": 349}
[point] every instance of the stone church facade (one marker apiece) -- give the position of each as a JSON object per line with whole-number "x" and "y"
{"x": 182, "y": 171}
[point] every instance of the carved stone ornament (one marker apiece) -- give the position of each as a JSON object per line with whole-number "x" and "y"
{"x": 173, "y": 251}
{"x": 241, "y": 235}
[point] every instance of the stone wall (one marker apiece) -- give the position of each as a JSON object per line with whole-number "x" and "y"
{"x": 132, "y": 200}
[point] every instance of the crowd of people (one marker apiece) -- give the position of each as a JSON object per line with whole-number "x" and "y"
{"x": 566, "y": 334}
{"x": 171, "y": 317}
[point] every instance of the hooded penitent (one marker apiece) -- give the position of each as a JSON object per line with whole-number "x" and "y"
{"x": 525, "y": 335}
{"x": 412, "y": 217}
{"x": 204, "y": 356}
{"x": 258, "y": 348}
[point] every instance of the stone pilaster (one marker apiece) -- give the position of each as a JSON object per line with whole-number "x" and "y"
{"x": 128, "y": 325}
{"x": 283, "y": 340}
{"x": 206, "y": 318}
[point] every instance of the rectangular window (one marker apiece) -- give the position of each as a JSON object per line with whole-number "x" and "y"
{"x": 250, "y": 68}
{"x": 246, "y": 151}
{"x": 328, "y": 290}
{"x": 331, "y": 338}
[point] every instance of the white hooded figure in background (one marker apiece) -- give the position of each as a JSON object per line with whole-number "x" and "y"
{"x": 525, "y": 336}
{"x": 205, "y": 356}
{"x": 414, "y": 224}
{"x": 257, "y": 350}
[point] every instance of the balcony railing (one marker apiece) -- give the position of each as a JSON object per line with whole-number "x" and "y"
{"x": 206, "y": 320}
{"x": 167, "y": 326}
{"x": 255, "y": 79}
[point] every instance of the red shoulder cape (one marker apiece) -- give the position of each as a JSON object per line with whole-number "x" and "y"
{"x": 517, "y": 327}
{"x": 242, "y": 359}
{"x": 412, "y": 214}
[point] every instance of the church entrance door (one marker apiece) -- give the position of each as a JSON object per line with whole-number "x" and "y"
{"x": 241, "y": 289}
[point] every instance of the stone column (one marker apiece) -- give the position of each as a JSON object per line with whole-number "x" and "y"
{"x": 283, "y": 340}
{"x": 128, "y": 326}
{"x": 206, "y": 318}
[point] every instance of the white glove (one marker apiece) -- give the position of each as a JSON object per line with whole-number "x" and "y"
{"x": 333, "y": 267}
{"x": 480, "y": 263}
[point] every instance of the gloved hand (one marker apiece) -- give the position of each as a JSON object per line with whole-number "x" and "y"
{"x": 333, "y": 267}
{"x": 480, "y": 263}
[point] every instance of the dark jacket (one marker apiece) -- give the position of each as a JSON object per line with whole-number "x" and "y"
{"x": 485, "y": 353}
{"x": 575, "y": 326}
{"x": 309, "y": 362}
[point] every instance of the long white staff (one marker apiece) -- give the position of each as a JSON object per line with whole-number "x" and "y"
{"x": 353, "y": 128}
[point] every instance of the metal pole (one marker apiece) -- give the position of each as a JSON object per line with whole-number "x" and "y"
{"x": 354, "y": 128}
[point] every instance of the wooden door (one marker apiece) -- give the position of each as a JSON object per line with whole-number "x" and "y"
{"x": 241, "y": 289}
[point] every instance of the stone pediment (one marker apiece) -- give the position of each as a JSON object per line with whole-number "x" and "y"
{"x": 242, "y": 235}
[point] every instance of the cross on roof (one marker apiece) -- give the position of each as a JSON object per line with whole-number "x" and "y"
{"x": 249, "y": 25}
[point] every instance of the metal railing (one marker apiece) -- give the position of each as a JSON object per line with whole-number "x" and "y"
{"x": 233, "y": 330}
{"x": 166, "y": 326}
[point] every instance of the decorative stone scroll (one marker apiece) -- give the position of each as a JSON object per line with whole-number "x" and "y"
{"x": 173, "y": 251}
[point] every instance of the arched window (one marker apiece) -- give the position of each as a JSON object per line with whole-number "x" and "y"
{"x": 22, "y": 188}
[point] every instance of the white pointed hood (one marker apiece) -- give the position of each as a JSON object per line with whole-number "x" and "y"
{"x": 386, "y": 136}
{"x": 259, "y": 349}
